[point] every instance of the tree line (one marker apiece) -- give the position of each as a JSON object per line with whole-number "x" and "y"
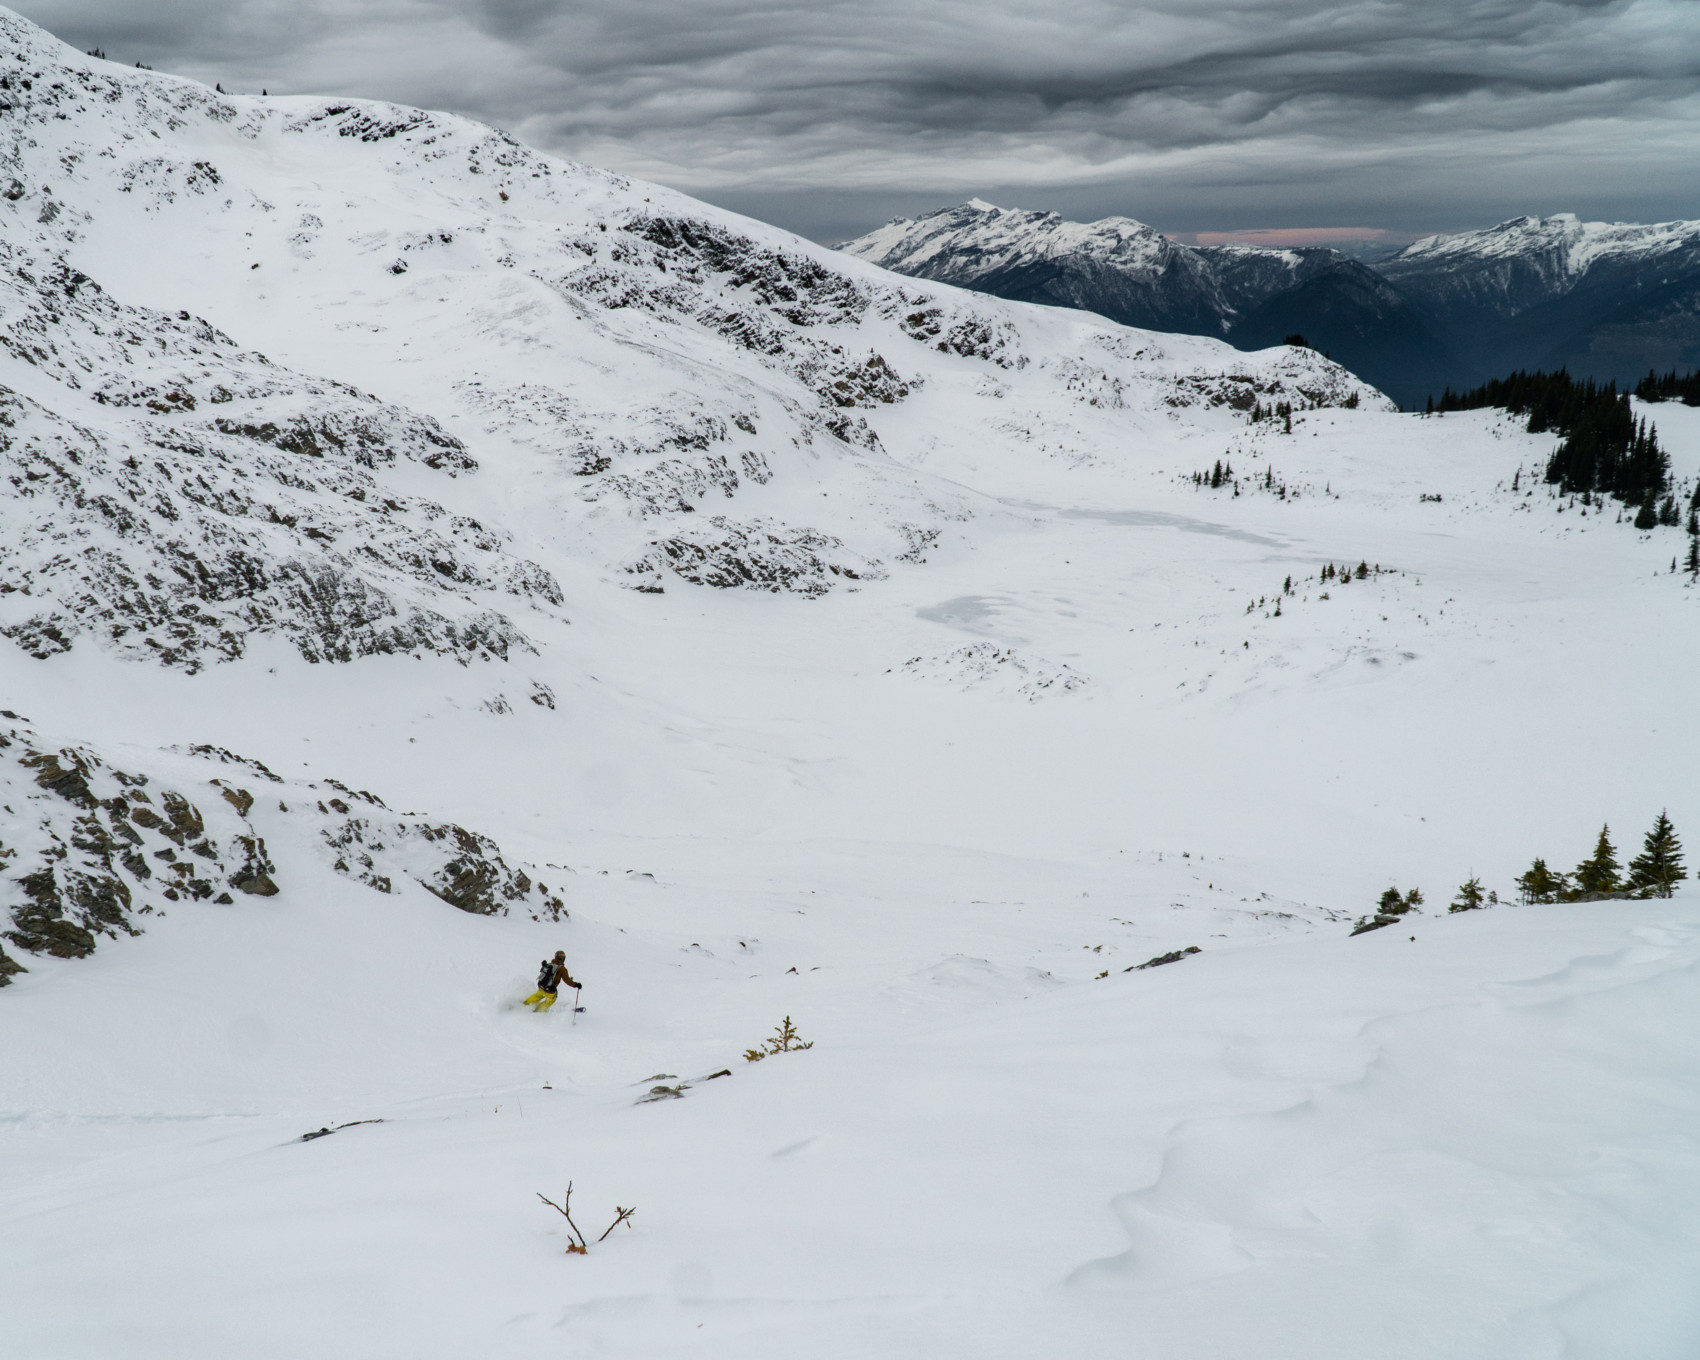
{"x": 1670, "y": 387}
{"x": 1604, "y": 449}
{"x": 1655, "y": 872}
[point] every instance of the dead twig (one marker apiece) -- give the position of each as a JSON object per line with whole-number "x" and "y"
{"x": 622, "y": 1216}
{"x": 577, "y": 1246}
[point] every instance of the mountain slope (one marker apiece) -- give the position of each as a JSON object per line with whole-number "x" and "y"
{"x": 582, "y": 382}
{"x": 1116, "y": 267}
{"x": 672, "y": 381}
{"x": 1353, "y": 313}
{"x": 1608, "y": 300}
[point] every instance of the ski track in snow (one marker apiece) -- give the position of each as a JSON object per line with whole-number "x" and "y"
{"x": 833, "y": 646}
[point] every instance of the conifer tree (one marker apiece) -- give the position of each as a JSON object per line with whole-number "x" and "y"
{"x": 1470, "y": 895}
{"x": 1599, "y": 874}
{"x": 1539, "y": 884}
{"x": 1658, "y": 868}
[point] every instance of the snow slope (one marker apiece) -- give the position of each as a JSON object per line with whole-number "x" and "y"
{"x": 1315, "y": 1147}
{"x": 944, "y": 697}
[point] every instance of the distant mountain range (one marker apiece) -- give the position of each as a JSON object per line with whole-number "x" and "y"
{"x": 1606, "y": 300}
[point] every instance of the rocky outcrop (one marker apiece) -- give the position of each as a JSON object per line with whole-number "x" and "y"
{"x": 760, "y": 555}
{"x": 91, "y": 848}
{"x": 463, "y": 868}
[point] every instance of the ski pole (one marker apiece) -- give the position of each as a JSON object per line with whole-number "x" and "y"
{"x": 574, "y": 1020}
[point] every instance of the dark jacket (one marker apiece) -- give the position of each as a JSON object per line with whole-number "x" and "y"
{"x": 552, "y": 976}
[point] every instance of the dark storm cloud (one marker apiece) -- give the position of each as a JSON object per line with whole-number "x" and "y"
{"x": 830, "y": 115}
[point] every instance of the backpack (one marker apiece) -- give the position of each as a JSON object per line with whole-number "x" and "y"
{"x": 546, "y": 976}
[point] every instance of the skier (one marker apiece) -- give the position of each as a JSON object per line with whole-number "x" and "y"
{"x": 550, "y": 977}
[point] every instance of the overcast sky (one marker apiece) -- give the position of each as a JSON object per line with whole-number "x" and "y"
{"x": 1194, "y": 115}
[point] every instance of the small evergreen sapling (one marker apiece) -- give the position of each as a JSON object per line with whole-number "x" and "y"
{"x": 784, "y": 1039}
{"x": 1470, "y": 896}
{"x": 1657, "y": 870}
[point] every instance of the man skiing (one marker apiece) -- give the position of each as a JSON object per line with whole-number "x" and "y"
{"x": 550, "y": 978}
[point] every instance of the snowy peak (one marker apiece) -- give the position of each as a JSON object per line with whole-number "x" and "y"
{"x": 1119, "y": 267}
{"x": 1564, "y": 239}
{"x": 978, "y": 236}
{"x": 1607, "y": 300}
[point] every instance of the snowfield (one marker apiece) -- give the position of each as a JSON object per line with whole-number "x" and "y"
{"x": 1479, "y": 1143}
{"x": 492, "y": 556}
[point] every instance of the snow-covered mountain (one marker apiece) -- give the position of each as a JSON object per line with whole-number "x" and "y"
{"x": 1538, "y": 256}
{"x": 1252, "y": 296}
{"x": 1610, "y": 300}
{"x": 686, "y": 395}
{"x": 419, "y": 554}
{"x": 1116, "y": 267}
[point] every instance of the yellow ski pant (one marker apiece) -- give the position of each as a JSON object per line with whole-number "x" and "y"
{"x": 540, "y": 1000}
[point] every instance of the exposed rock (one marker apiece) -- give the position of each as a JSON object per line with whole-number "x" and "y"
{"x": 1174, "y": 956}
{"x": 71, "y": 784}
{"x": 760, "y": 555}
{"x": 254, "y": 875}
{"x": 986, "y": 666}
{"x": 91, "y": 849}
{"x": 461, "y": 867}
{"x": 92, "y": 831}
